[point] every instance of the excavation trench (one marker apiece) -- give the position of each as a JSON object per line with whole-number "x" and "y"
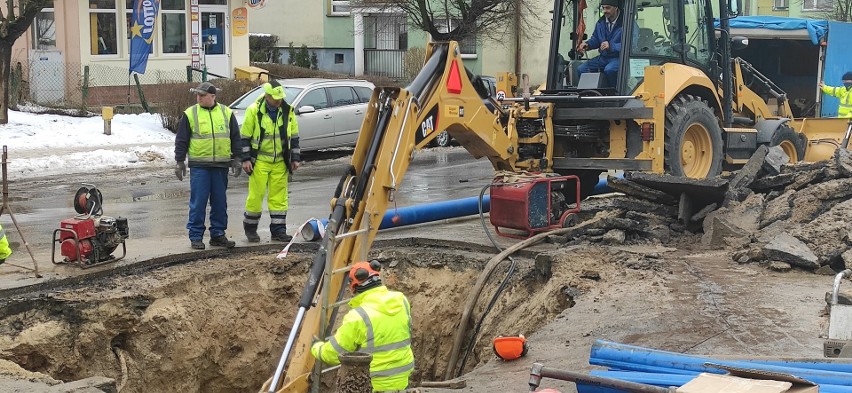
{"x": 218, "y": 324}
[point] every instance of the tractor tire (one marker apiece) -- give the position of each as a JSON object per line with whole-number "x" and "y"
{"x": 693, "y": 145}
{"x": 442, "y": 140}
{"x": 792, "y": 143}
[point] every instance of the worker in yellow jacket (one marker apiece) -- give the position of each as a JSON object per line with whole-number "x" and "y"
{"x": 270, "y": 152}
{"x": 5, "y": 251}
{"x": 843, "y": 93}
{"x": 378, "y": 322}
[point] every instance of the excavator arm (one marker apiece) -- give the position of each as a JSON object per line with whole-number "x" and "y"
{"x": 398, "y": 121}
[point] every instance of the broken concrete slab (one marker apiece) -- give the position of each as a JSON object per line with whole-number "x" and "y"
{"x": 701, "y": 214}
{"x": 738, "y": 186}
{"x": 832, "y": 189}
{"x": 777, "y": 209}
{"x": 702, "y": 191}
{"x": 775, "y": 159}
{"x": 88, "y": 385}
{"x": 769, "y": 183}
{"x": 824, "y": 234}
{"x": 717, "y": 227}
{"x": 631, "y": 188}
{"x": 779, "y": 266}
{"x": 787, "y": 248}
{"x": 615, "y": 236}
{"x": 843, "y": 162}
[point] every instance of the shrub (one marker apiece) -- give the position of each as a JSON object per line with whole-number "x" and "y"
{"x": 284, "y": 71}
{"x": 412, "y": 62}
{"x": 179, "y": 98}
{"x": 263, "y": 47}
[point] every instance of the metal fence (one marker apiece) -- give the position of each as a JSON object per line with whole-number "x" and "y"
{"x": 384, "y": 62}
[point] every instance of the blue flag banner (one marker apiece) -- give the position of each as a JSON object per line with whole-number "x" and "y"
{"x": 142, "y": 33}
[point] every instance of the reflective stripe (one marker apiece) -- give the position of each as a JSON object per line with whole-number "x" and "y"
{"x": 296, "y": 150}
{"x": 262, "y": 153}
{"x": 246, "y": 149}
{"x": 210, "y": 159}
{"x": 251, "y": 221}
{"x": 336, "y": 346}
{"x": 2, "y": 233}
{"x": 211, "y": 136}
{"x": 392, "y": 346}
{"x": 370, "y": 335}
{"x": 408, "y": 312}
{"x": 278, "y": 221}
{"x": 393, "y": 371}
{"x": 278, "y": 213}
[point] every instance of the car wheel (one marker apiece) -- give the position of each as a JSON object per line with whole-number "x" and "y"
{"x": 442, "y": 140}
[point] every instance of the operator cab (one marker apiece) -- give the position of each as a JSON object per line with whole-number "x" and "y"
{"x": 660, "y": 31}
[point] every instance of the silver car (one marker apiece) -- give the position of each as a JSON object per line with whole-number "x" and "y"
{"x": 329, "y": 111}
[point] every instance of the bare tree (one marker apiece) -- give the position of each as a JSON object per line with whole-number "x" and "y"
{"x": 839, "y": 10}
{"x": 15, "y": 18}
{"x": 459, "y": 19}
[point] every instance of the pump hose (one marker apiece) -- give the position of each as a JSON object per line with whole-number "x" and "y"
{"x": 473, "y": 296}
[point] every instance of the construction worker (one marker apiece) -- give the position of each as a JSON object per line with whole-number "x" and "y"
{"x": 844, "y": 94}
{"x": 270, "y": 148}
{"x": 378, "y": 322}
{"x": 209, "y": 135}
{"x": 5, "y": 251}
{"x": 607, "y": 40}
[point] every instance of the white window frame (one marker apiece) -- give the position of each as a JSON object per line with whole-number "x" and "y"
{"x": 441, "y": 25}
{"x": 339, "y": 8}
{"x": 118, "y": 41}
{"x": 781, "y": 4}
{"x": 814, "y": 5}
{"x": 36, "y": 35}
{"x": 186, "y": 31}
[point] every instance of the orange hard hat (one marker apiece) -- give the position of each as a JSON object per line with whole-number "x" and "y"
{"x": 363, "y": 272}
{"x": 510, "y": 348}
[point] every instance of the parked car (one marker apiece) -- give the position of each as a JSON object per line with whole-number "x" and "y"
{"x": 329, "y": 111}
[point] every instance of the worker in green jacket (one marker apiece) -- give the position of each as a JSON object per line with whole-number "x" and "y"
{"x": 5, "y": 251}
{"x": 843, "y": 93}
{"x": 378, "y": 322}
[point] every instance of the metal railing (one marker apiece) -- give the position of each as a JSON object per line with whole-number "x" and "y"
{"x": 384, "y": 62}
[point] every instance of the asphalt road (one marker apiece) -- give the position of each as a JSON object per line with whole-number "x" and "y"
{"x": 156, "y": 205}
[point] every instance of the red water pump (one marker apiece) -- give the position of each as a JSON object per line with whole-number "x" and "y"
{"x": 90, "y": 238}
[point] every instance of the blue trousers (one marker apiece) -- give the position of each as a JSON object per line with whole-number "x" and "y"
{"x": 207, "y": 184}
{"x": 607, "y": 65}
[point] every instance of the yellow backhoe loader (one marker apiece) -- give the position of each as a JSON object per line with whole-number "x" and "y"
{"x": 669, "y": 112}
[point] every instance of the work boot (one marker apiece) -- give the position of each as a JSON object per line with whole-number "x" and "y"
{"x": 281, "y": 237}
{"x": 222, "y": 241}
{"x": 196, "y": 244}
{"x": 251, "y": 233}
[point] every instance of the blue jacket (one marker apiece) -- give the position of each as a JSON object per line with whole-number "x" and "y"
{"x": 602, "y": 34}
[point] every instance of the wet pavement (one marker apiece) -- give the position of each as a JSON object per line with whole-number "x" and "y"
{"x": 156, "y": 206}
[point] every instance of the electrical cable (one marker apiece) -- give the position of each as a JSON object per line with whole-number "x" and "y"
{"x": 497, "y": 293}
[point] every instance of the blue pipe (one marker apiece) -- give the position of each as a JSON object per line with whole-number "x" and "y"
{"x": 428, "y": 212}
{"x": 629, "y": 357}
{"x": 667, "y": 380}
{"x": 839, "y": 365}
{"x": 416, "y": 214}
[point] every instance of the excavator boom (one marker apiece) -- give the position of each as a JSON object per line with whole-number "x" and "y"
{"x": 398, "y": 122}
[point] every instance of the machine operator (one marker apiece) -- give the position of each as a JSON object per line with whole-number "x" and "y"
{"x": 607, "y": 40}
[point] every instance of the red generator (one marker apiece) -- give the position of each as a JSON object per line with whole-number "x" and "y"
{"x": 89, "y": 238}
{"x": 534, "y": 204}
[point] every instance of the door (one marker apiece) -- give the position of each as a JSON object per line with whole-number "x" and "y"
{"x": 47, "y": 76}
{"x": 215, "y": 43}
{"x": 348, "y": 114}
{"x": 316, "y": 129}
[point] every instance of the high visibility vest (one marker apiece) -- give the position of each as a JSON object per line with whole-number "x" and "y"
{"x": 378, "y": 323}
{"x": 5, "y": 251}
{"x": 264, "y": 135}
{"x": 845, "y": 97}
{"x": 210, "y": 133}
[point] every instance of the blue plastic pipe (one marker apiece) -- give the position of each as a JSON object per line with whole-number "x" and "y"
{"x": 633, "y": 358}
{"x": 428, "y": 212}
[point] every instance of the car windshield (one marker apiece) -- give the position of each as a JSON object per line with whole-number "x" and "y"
{"x": 252, "y": 96}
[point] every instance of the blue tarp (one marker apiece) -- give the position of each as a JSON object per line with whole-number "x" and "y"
{"x": 838, "y": 60}
{"x": 816, "y": 28}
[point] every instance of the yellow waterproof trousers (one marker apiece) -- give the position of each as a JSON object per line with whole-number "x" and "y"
{"x": 271, "y": 178}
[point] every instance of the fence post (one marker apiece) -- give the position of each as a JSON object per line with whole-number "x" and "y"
{"x": 141, "y": 93}
{"x": 189, "y": 74}
{"x": 354, "y": 373}
{"x": 85, "y": 82}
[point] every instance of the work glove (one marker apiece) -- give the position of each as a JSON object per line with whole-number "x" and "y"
{"x": 180, "y": 170}
{"x": 236, "y": 168}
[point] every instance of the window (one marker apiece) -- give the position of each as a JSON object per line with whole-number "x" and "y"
{"x": 781, "y": 4}
{"x": 338, "y": 58}
{"x": 364, "y": 93}
{"x": 341, "y": 96}
{"x": 128, "y": 16}
{"x": 339, "y": 8}
{"x": 815, "y": 5}
{"x": 386, "y": 31}
{"x": 44, "y": 29}
{"x": 103, "y": 20}
{"x": 173, "y": 24}
{"x": 466, "y": 45}
{"x": 315, "y": 98}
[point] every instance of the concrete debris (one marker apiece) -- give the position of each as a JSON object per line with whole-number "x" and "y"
{"x": 615, "y": 236}
{"x": 825, "y": 271}
{"x": 843, "y": 162}
{"x": 631, "y": 188}
{"x": 789, "y": 249}
{"x": 717, "y": 227}
{"x": 780, "y": 266}
{"x": 738, "y": 186}
{"x": 775, "y": 158}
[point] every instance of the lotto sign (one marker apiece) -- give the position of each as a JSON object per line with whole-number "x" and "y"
{"x": 256, "y": 4}
{"x": 501, "y": 95}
